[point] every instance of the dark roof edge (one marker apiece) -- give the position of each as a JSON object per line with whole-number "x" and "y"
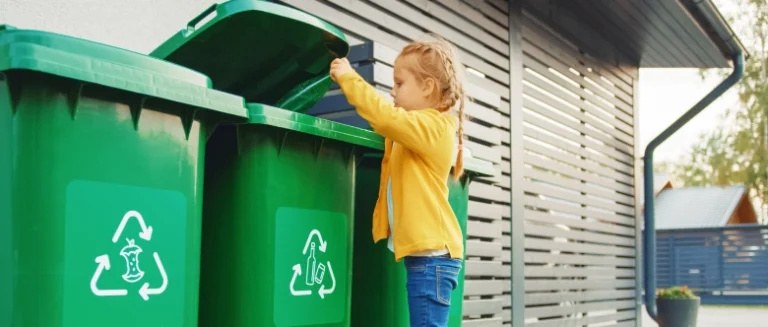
{"x": 714, "y": 24}
{"x": 734, "y": 205}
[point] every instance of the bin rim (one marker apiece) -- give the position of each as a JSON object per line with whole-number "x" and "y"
{"x": 67, "y": 43}
{"x": 261, "y": 114}
{"x": 296, "y": 50}
{"x": 40, "y": 51}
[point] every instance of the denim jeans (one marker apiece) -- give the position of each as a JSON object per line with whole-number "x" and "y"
{"x": 430, "y": 281}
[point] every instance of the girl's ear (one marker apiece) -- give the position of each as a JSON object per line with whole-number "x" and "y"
{"x": 429, "y": 86}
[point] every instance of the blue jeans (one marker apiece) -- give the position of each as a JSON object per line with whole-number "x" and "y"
{"x": 430, "y": 281}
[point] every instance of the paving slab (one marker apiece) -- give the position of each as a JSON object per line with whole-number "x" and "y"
{"x": 723, "y": 316}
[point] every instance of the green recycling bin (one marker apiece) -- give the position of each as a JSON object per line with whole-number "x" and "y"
{"x": 101, "y": 170}
{"x": 279, "y": 194}
{"x": 379, "y": 297}
{"x": 278, "y": 220}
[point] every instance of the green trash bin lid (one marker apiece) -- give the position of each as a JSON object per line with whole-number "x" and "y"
{"x": 478, "y": 167}
{"x": 265, "y": 52}
{"x": 96, "y": 63}
{"x": 277, "y": 117}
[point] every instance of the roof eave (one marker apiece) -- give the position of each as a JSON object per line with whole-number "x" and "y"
{"x": 714, "y": 24}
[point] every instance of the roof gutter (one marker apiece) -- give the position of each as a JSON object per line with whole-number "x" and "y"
{"x": 713, "y": 23}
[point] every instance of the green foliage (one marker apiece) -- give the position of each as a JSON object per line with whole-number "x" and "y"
{"x": 676, "y": 292}
{"x": 736, "y": 152}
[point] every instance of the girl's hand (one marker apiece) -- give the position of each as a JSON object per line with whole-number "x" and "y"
{"x": 339, "y": 67}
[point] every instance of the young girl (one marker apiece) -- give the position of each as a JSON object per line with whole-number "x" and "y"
{"x": 420, "y": 132}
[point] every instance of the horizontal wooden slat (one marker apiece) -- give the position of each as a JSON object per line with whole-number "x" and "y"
{"x": 409, "y": 14}
{"x": 568, "y": 121}
{"x": 504, "y": 180}
{"x": 554, "y": 298}
{"x": 572, "y": 160}
{"x": 504, "y": 168}
{"x": 573, "y": 172}
{"x": 482, "y": 113}
{"x": 600, "y": 93}
{"x": 384, "y": 19}
{"x": 538, "y": 47}
{"x": 545, "y": 231}
{"x": 543, "y": 77}
{"x": 557, "y": 310}
{"x": 485, "y": 322}
{"x": 567, "y": 106}
{"x": 576, "y": 197}
{"x": 488, "y": 134}
{"x": 485, "y": 210}
{"x": 477, "y": 248}
{"x": 532, "y": 243}
{"x": 576, "y": 184}
{"x": 489, "y": 192}
{"x": 580, "y": 284}
{"x": 475, "y": 268}
{"x": 577, "y": 210}
{"x": 493, "y": 13}
{"x": 483, "y": 229}
{"x": 459, "y": 22}
{"x": 505, "y": 151}
{"x": 576, "y": 149}
{"x": 560, "y": 131}
{"x": 481, "y": 307}
{"x": 574, "y": 259}
{"x": 577, "y": 272}
{"x": 485, "y": 287}
{"x": 605, "y": 227}
{"x": 504, "y": 136}
{"x": 591, "y": 319}
{"x": 534, "y": 32}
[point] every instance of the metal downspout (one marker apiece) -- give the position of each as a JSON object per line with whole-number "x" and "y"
{"x": 649, "y": 231}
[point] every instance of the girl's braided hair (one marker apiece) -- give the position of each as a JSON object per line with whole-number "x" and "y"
{"x": 437, "y": 59}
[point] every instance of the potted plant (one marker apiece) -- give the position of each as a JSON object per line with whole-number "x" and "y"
{"x": 677, "y": 307}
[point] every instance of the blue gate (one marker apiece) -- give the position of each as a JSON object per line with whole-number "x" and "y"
{"x": 726, "y": 265}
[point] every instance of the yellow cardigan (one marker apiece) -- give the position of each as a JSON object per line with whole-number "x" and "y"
{"x": 419, "y": 163}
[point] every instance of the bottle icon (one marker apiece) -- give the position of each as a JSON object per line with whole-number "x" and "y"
{"x": 311, "y": 262}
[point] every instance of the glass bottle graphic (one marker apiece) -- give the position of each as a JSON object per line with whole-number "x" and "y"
{"x": 311, "y": 262}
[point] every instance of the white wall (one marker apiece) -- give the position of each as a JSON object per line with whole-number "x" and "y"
{"x": 138, "y": 25}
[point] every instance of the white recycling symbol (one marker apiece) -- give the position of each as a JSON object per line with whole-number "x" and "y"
{"x": 130, "y": 252}
{"x": 315, "y": 270}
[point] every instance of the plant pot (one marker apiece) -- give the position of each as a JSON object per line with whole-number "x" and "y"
{"x": 678, "y": 312}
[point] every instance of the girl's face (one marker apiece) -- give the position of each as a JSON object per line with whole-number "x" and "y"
{"x": 409, "y": 92}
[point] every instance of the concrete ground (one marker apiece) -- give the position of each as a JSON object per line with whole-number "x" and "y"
{"x": 720, "y": 316}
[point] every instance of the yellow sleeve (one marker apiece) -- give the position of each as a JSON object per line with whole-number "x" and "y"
{"x": 416, "y": 130}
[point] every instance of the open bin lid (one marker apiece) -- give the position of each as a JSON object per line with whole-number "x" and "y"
{"x": 262, "y": 51}
{"x": 272, "y": 116}
{"x": 478, "y": 167}
{"x": 101, "y": 64}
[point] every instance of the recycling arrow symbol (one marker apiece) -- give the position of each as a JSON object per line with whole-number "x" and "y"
{"x": 130, "y": 253}
{"x": 315, "y": 269}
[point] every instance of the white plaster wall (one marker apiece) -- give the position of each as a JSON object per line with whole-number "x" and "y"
{"x": 137, "y": 25}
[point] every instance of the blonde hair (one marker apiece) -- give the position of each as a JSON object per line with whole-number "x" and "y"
{"x": 437, "y": 59}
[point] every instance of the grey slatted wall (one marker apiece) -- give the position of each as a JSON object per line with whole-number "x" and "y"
{"x": 479, "y": 31}
{"x": 578, "y": 140}
{"x": 575, "y": 153}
